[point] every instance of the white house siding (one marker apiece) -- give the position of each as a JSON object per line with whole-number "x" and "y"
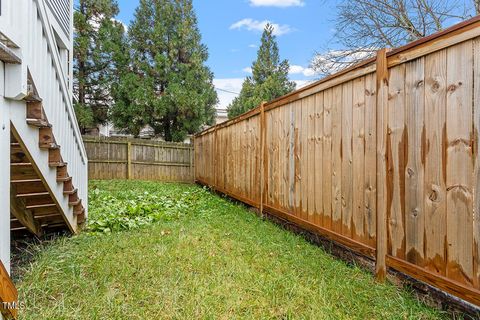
{"x": 5, "y": 175}
{"x": 45, "y": 49}
{"x": 39, "y": 42}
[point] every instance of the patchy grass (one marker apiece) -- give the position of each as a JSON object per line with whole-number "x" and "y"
{"x": 189, "y": 254}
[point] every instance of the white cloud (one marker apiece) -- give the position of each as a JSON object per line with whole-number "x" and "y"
{"x": 96, "y": 23}
{"x": 302, "y": 83}
{"x": 256, "y": 25}
{"x": 307, "y": 72}
{"x": 277, "y": 3}
{"x": 295, "y": 69}
{"x": 252, "y": 45}
{"x": 125, "y": 26}
{"x": 227, "y": 90}
{"x": 247, "y": 70}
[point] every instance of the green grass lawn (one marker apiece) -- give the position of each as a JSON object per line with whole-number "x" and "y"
{"x": 174, "y": 251}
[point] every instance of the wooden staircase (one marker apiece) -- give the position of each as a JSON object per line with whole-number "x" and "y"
{"x": 33, "y": 207}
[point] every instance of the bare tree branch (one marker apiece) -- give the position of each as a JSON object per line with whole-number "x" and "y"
{"x": 364, "y": 26}
{"x": 476, "y": 5}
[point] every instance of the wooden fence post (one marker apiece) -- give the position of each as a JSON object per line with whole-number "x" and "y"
{"x": 192, "y": 158}
{"x": 263, "y": 156}
{"x": 129, "y": 160}
{"x": 382, "y": 127}
{"x": 215, "y": 162}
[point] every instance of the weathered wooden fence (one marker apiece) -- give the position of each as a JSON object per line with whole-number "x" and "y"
{"x": 115, "y": 158}
{"x": 382, "y": 157}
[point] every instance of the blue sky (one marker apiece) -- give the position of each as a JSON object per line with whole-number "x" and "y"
{"x": 231, "y": 29}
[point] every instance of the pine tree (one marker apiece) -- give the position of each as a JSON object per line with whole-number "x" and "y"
{"x": 269, "y": 78}
{"x": 168, "y": 87}
{"x": 98, "y": 39}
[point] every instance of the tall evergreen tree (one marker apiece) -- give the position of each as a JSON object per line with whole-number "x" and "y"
{"x": 168, "y": 87}
{"x": 98, "y": 41}
{"x": 269, "y": 78}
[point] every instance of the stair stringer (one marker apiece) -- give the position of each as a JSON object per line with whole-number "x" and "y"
{"x": 28, "y": 136}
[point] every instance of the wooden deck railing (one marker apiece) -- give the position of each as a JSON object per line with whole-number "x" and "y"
{"x": 382, "y": 157}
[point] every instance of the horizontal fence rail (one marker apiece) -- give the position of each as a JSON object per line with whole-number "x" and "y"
{"x": 382, "y": 157}
{"x": 119, "y": 158}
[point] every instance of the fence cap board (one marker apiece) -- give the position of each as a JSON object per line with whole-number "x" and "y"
{"x": 244, "y": 116}
{"x": 135, "y": 141}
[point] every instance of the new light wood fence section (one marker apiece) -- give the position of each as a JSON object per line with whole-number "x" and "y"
{"x": 113, "y": 158}
{"x": 382, "y": 157}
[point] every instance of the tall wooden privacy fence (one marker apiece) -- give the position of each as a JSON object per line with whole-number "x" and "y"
{"x": 114, "y": 158}
{"x": 382, "y": 157}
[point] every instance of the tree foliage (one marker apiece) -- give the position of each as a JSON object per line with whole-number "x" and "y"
{"x": 98, "y": 39}
{"x": 166, "y": 84}
{"x": 269, "y": 78}
{"x": 364, "y": 26}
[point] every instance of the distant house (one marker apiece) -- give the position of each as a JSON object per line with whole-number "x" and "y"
{"x": 43, "y": 163}
{"x": 222, "y": 116}
{"x": 109, "y": 130}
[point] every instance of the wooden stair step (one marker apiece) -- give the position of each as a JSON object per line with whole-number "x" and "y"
{"x": 20, "y": 164}
{"x": 15, "y": 147}
{"x": 39, "y": 123}
{"x": 32, "y": 92}
{"x": 51, "y": 220}
{"x": 64, "y": 179}
{"x": 49, "y": 216}
{"x": 32, "y": 97}
{"x": 57, "y": 164}
{"x": 36, "y": 206}
{"x": 46, "y": 216}
{"x": 34, "y": 194}
{"x": 68, "y": 186}
{"x": 62, "y": 171}
{"x": 23, "y": 173}
{"x": 46, "y": 199}
{"x": 18, "y": 228}
{"x": 80, "y": 211}
{"x": 31, "y": 187}
{"x": 49, "y": 146}
{"x": 45, "y": 211}
{"x": 46, "y": 139}
{"x": 69, "y": 192}
{"x": 8, "y": 56}
{"x": 55, "y": 158}
{"x": 75, "y": 202}
{"x": 25, "y": 180}
{"x": 35, "y": 110}
{"x": 54, "y": 225}
{"x": 17, "y": 154}
{"x": 81, "y": 217}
